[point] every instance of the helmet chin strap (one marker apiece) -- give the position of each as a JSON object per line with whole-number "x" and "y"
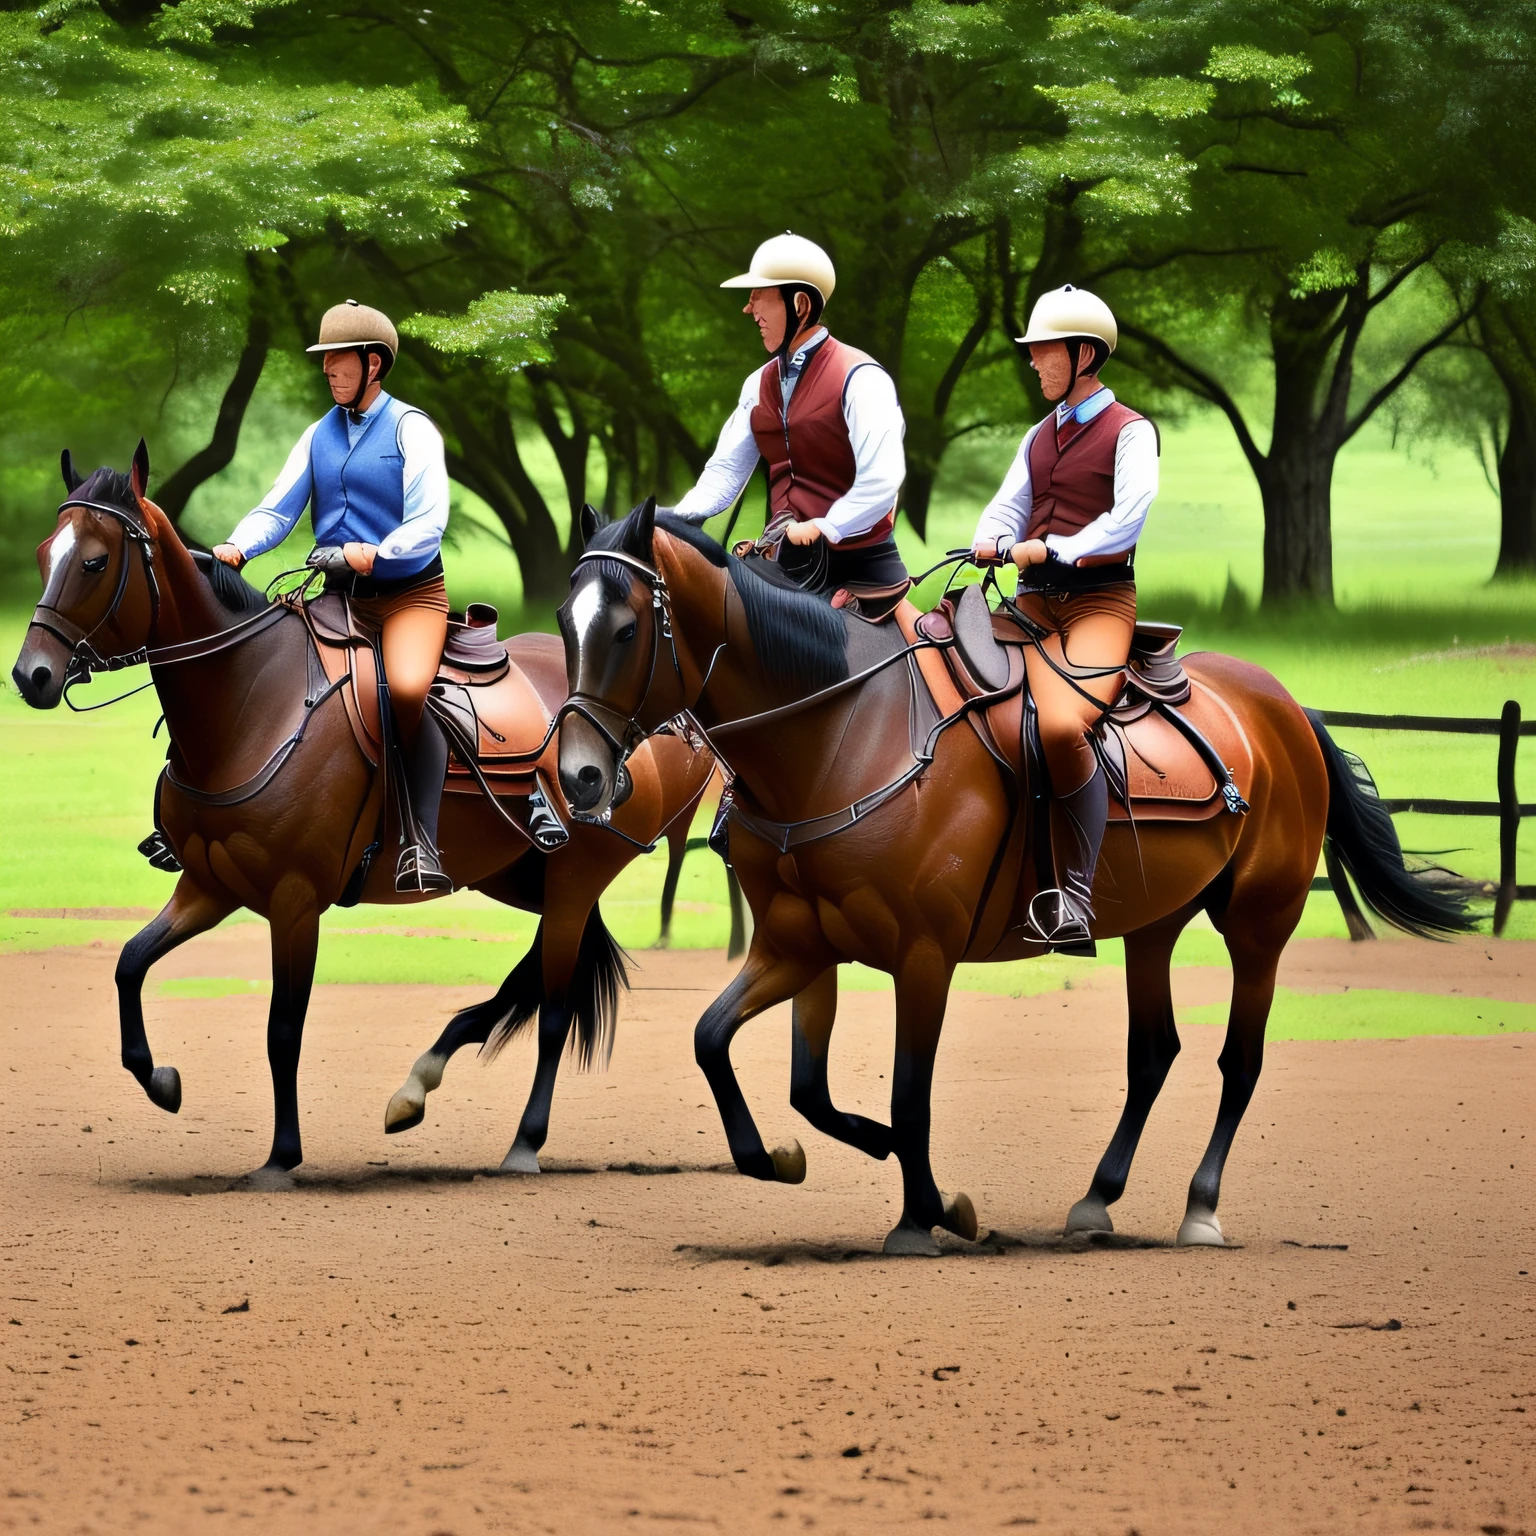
{"x": 354, "y": 405}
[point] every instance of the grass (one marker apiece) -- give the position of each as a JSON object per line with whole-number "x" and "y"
{"x": 1368, "y": 1014}
{"x": 1419, "y": 630}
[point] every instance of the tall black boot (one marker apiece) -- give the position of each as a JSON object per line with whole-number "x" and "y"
{"x": 1061, "y": 917}
{"x": 426, "y": 763}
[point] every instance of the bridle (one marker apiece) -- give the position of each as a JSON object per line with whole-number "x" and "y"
{"x": 84, "y": 659}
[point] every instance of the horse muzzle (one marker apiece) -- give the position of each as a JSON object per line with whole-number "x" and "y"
{"x": 41, "y": 669}
{"x": 589, "y": 766}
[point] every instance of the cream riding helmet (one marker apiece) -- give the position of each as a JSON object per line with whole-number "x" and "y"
{"x": 792, "y": 264}
{"x": 358, "y": 328}
{"x": 1073, "y": 314}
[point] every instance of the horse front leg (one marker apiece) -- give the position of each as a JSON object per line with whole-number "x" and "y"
{"x": 295, "y": 929}
{"x": 1152, "y": 1043}
{"x": 765, "y": 978}
{"x": 190, "y": 911}
{"x": 815, "y": 1013}
{"x": 922, "y": 992}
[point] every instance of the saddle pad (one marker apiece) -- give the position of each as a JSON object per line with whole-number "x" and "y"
{"x": 1167, "y": 778}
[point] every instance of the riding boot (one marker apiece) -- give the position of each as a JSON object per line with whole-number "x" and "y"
{"x": 1062, "y": 917}
{"x": 420, "y": 868}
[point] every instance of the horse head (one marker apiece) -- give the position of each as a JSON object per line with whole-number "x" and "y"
{"x": 99, "y": 593}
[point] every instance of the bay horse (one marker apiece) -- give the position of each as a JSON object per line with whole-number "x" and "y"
{"x": 235, "y": 677}
{"x": 850, "y": 848}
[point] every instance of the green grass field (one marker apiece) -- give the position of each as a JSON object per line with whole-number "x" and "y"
{"x": 1418, "y": 630}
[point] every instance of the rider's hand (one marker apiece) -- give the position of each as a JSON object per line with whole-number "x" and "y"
{"x": 229, "y": 555}
{"x": 360, "y": 557}
{"x": 1030, "y": 552}
{"x": 802, "y": 533}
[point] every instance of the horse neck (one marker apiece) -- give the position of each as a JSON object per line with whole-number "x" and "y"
{"x": 187, "y": 609}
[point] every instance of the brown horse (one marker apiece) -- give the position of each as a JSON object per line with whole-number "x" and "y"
{"x": 851, "y": 844}
{"x": 237, "y": 681}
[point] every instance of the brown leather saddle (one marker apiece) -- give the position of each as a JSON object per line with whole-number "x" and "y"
{"x": 496, "y": 704}
{"x": 1173, "y": 749}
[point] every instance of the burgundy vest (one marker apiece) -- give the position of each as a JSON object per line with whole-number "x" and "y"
{"x": 809, "y": 458}
{"x": 1072, "y": 475}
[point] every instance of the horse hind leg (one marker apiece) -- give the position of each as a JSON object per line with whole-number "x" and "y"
{"x": 190, "y": 911}
{"x": 516, "y": 1001}
{"x": 1152, "y": 1043}
{"x": 815, "y": 1013}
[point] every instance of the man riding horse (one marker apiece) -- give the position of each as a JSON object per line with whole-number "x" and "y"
{"x": 824, "y": 418}
{"x": 373, "y": 474}
{"x": 1068, "y": 514}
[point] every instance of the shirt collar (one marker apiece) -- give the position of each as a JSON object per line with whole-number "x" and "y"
{"x": 797, "y": 359}
{"x": 1085, "y": 410}
{"x": 372, "y": 411}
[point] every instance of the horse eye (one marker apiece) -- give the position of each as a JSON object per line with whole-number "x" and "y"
{"x": 96, "y": 564}
{"x": 626, "y": 634}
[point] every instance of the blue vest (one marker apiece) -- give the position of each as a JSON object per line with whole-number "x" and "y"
{"x": 357, "y": 492}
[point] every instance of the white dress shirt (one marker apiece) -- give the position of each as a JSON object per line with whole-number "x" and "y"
{"x": 425, "y": 515}
{"x": 1111, "y": 533}
{"x": 875, "y": 432}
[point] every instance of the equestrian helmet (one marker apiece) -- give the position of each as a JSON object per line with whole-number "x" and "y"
{"x": 360, "y": 328}
{"x": 788, "y": 259}
{"x": 1071, "y": 314}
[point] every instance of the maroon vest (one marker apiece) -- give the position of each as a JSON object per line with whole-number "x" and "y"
{"x": 809, "y": 458}
{"x": 1072, "y": 472}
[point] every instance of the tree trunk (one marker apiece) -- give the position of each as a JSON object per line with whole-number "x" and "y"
{"x": 1295, "y": 484}
{"x": 1509, "y": 343}
{"x": 176, "y": 492}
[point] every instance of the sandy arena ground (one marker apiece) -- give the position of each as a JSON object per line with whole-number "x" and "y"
{"x": 638, "y": 1340}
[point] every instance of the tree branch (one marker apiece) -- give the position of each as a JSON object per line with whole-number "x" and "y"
{"x": 1379, "y": 396}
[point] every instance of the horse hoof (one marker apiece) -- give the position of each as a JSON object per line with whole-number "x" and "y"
{"x": 1200, "y": 1229}
{"x": 520, "y": 1158}
{"x": 1090, "y": 1214}
{"x": 960, "y": 1217}
{"x": 789, "y": 1163}
{"x": 164, "y": 1089}
{"x": 406, "y": 1110}
{"x": 908, "y": 1241}
{"x": 269, "y": 1179}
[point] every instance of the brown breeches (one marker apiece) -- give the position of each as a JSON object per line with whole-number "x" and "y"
{"x": 1088, "y": 632}
{"x": 413, "y": 625}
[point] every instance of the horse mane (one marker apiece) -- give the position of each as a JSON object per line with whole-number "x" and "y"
{"x": 112, "y": 488}
{"x": 799, "y": 637}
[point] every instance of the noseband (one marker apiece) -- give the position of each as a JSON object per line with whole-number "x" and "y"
{"x": 84, "y": 659}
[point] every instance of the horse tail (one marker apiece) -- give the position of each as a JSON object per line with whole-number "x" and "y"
{"x": 518, "y": 1000}
{"x": 592, "y": 996}
{"x": 1424, "y": 901}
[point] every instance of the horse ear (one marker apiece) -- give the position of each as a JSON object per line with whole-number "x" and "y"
{"x": 643, "y": 529}
{"x": 72, "y": 480}
{"x": 591, "y": 521}
{"x": 139, "y": 474}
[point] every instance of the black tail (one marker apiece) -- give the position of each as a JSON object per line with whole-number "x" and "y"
{"x": 591, "y": 996}
{"x": 1424, "y": 901}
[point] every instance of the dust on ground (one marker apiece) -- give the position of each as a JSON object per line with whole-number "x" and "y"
{"x": 638, "y": 1339}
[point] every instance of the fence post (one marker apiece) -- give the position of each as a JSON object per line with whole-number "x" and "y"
{"x": 1509, "y": 813}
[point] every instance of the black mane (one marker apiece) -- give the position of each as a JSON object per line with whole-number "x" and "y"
{"x": 108, "y": 487}
{"x": 799, "y": 638}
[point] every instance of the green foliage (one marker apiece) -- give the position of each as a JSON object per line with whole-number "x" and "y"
{"x": 509, "y": 330}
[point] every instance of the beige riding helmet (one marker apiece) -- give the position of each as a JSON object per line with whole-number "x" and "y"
{"x": 1067, "y": 313}
{"x": 352, "y": 325}
{"x": 788, "y": 258}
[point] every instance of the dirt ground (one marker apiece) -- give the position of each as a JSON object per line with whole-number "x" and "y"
{"x": 639, "y": 1340}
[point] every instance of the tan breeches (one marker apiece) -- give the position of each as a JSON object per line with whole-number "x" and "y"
{"x": 1089, "y": 632}
{"x": 413, "y": 627}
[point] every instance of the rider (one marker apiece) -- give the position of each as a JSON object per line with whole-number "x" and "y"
{"x": 825, "y": 418}
{"x": 373, "y": 474}
{"x": 1068, "y": 515}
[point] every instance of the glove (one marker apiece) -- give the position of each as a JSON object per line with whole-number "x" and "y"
{"x": 330, "y": 559}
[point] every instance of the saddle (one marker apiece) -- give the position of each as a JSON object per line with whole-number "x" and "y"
{"x": 496, "y": 714}
{"x": 1172, "y": 748}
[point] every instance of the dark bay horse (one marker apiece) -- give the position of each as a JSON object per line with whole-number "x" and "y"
{"x": 913, "y": 872}
{"x": 235, "y": 680}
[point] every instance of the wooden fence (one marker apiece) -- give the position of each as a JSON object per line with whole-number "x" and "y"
{"x": 1507, "y": 807}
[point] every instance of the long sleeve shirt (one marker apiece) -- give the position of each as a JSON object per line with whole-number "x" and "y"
{"x": 875, "y": 432}
{"x": 1006, "y": 516}
{"x": 425, "y": 476}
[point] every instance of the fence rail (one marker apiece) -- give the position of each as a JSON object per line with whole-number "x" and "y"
{"x": 1507, "y": 808}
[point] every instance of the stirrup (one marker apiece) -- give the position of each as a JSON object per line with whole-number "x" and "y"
{"x": 1066, "y": 933}
{"x": 547, "y": 830}
{"x": 419, "y": 870}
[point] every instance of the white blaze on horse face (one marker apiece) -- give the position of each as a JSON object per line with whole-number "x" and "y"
{"x": 60, "y": 547}
{"x": 586, "y": 609}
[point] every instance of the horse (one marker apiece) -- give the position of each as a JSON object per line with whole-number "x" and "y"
{"x": 268, "y": 801}
{"x": 853, "y": 844}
